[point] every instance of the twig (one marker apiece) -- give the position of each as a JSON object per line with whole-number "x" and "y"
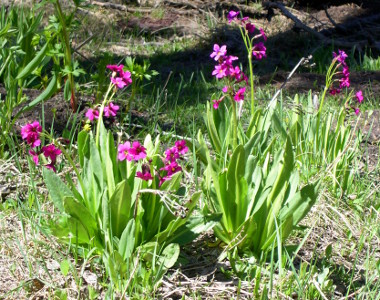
{"x": 310, "y": 30}
{"x": 302, "y": 60}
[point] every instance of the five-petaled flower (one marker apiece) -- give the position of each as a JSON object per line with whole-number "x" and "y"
{"x": 110, "y": 110}
{"x": 219, "y": 52}
{"x": 239, "y": 96}
{"x": 31, "y": 133}
{"x": 171, "y": 154}
{"x": 181, "y": 147}
{"x": 92, "y": 114}
{"x": 51, "y": 151}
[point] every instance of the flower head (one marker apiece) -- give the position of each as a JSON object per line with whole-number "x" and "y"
{"x": 250, "y": 27}
{"x": 115, "y": 68}
{"x": 239, "y": 96}
{"x": 145, "y": 173}
{"x": 181, "y": 147}
{"x": 137, "y": 151}
{"x": 334, "y": 91}
{"x": 119, "y": 82}
{"x": 34, "y": 156}
{"x": 92, "y": 114}
{"x": 126, "y": 76}
{"x": 232, "y": 15}
{"x": 31, "y": 133}
{"x": 51, "y": 167}
{"x": 110, "y": 110}
{"x": 341, "y": 56}
{"x": 50, "y": 151}
{"x": 263, "y": 34}
{"x": 220, "y": 71}
{"x": 258, "y": 51}
{"x": 123, "y": 152}
{"x": 359, "y": 96}
{"x": 216, "y": 103}
{"x": 172, "y": 168}
{"x": 219, "y": 52}
{"x": 344, "y": 82}
{"x": 172, "y": 154}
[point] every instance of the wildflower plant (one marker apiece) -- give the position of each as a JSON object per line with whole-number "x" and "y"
{"x": 319, "y": 144}
{"x": 254, "y": 186}
{"x": 129, "y": 205}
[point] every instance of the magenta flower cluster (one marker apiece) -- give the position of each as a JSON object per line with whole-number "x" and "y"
{"x": 31, "y": 133}
{"x": 258, "y": 50}
{"x": 344, "y": 80}
{"x": 137, "y": 152}
{"x": 120, "y": 78}
{"x": 110, "y": 111}
{"x": 226, "y": 69}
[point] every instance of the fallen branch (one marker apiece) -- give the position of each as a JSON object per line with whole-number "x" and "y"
{"x": 310, "y": 30}
{"x": 121, "y": 7}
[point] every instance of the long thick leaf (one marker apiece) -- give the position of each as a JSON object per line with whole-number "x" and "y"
{"x": 79, "y": 212}
{"x": 46, "y": 94}
{"x": 33, "y": 64}
{"x": 57, "y": 189}
{"x": 120, "y": 207}
{"x": 127, "y": 240}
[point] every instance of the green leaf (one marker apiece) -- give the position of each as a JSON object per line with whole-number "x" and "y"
{"x": 127, "y": 240}
{"x": 57, "y": 189}
{"x": 82, "y": 215}
{"x": 33, "y": 64}
{"x": 67, "y": 90}
{"x": 46, "y": 94}
{"x": 169, "y": 256}
{"x": 120, "y": 207}
{"x": 65, "y": 267}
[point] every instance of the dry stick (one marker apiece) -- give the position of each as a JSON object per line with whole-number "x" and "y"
{"x": 302, "y": 60}
{"x": 308, "y": 29}
{"x": 121, "y": 7}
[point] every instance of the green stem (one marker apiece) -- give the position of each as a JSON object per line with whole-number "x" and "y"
{"x": 235, "y": 124}
{"x": 101, "y": 113}
{"x": 68, "y": 61}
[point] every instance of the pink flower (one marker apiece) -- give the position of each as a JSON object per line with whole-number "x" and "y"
{"x": 220, "y": 71}
{"x": 346, "y": 71}
{"x": 225, "y": 89}
{"x": 341, "y": 57}
{"x": 232, "y": 15}
{"x": 123, "y": 152}
{"x": 239, "y": 96}
{"x": 145, "y": 174}
{"x": 51, "y": 167}
{"x": 181, "y": 147}
{"x": 172, "y": 154}
{"x": 359, "y": 96}
{"x": 229, "y": 59}
{"x": 92, "y": 114}
{"x": 110, "y": 110}
{"x": 31, "y": 132}
{"x": 119, "y": 82}
{"x": 172, "y": 168}
{"x": 115, "y": 68}
{"x": 258, "y": 51}
{"x": 218, "y": 52}
{"x": 344, "y": 82}
{"x": 126, "y": 76}
{"x": 357, "y": 111}
{"x": 216, "y": 103}
{"x": 263, "y": 34}
{"x": 235, "y": 72}
{"x": 50, "y": 151}
{"x": 250, "y": 27}
{"x": 34, "y": 156}
{"x": 137, "y": 151}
